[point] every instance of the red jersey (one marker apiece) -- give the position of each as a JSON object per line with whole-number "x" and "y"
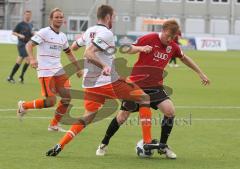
{"x": 148, "y": 70}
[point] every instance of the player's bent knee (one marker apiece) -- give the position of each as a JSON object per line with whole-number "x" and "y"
{"x": 122, "y": 117}
{"x": 169, "y": 112}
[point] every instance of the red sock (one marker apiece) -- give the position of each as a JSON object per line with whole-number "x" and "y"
{"x": 74, "y": 130}
{"x": 35, "y": 104}
{"x": 145, "y": 117}
{"x": 60, "y": 111}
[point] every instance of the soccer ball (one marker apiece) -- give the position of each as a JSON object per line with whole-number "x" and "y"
{"x": 141, "y": 152}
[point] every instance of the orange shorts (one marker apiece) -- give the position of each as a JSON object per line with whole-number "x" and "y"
{"x": 94, "y": 98}
{"x": 53, "y": 85}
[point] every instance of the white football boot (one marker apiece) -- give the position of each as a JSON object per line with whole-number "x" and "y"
{"x": 164, "y": 149}
{"x": 102, "y": 150}
{"x": 21, "y": 111}
{"x": 56, "y": 128}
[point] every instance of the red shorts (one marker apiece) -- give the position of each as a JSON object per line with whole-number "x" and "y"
{"x": 54, "y": 85}
{"x": 94, "y": 98}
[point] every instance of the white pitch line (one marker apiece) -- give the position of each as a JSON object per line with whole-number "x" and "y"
{"x": 208, "y": 107}
{"x": 218, "y": 119}
{"x": 178, "y": 107}
{"x": 8, "y": 110}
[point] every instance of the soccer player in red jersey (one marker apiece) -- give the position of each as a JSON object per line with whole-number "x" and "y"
{"x": 148, "y": 74}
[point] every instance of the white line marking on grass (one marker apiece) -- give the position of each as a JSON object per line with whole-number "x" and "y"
{"x": 217, "y": 119}
{"x": 29, "y": 117}
{"x": 8, "y": 110}
{"x": 208, "y": 107}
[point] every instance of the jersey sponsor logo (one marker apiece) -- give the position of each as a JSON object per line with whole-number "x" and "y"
{"x": 160, "y": 56}
{"x": 56, "y": 47}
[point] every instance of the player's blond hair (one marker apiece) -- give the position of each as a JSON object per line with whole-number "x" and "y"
{"x": 53, "y": 11}
{"x": 172, "y": 26}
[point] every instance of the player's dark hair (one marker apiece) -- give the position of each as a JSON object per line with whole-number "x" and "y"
{"x": 53, "y": 11}
{"x": 172, "y": 26}
{"x": 103, "y": 11}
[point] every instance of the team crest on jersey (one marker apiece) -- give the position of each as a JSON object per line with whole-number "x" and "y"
{"x": 169, "y": 49}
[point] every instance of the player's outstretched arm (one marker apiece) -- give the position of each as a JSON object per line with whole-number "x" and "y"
{"x": 137, "y": 49}
{"x": 190, "y": 63}
{"x": 29, "y": 48}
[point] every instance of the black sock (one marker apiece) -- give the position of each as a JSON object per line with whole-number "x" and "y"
{"x": 167, "y": 125}
{"x": 25, "y": 66}
{"x": 14, "y": 70}
{"x": 112, "y": 129}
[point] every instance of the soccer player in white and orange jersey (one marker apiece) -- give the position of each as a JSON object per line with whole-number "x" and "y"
{"x": 101, "y": 81}
{"x": 50, "y": 41}
{"x": 148, "y": 74}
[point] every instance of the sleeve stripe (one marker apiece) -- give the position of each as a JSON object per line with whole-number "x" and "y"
{"x": 35, "y": 42}
{"x": 78, "y": 44}
{"x": 97, "y": 46}
{"x": 67, "y": 50}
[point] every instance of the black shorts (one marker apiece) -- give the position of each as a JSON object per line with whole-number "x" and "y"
{"x": 22, "y": 50}
{"x": 157, "y": 95}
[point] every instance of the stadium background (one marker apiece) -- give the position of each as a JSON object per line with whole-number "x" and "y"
{"x": 198, "y": 18}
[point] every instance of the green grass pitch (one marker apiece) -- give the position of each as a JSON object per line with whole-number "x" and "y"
{"x": 206, "y": 134}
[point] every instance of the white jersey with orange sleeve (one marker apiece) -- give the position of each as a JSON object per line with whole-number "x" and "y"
{"x": 101, "y": 37}
{"x": 50, "y": 44}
